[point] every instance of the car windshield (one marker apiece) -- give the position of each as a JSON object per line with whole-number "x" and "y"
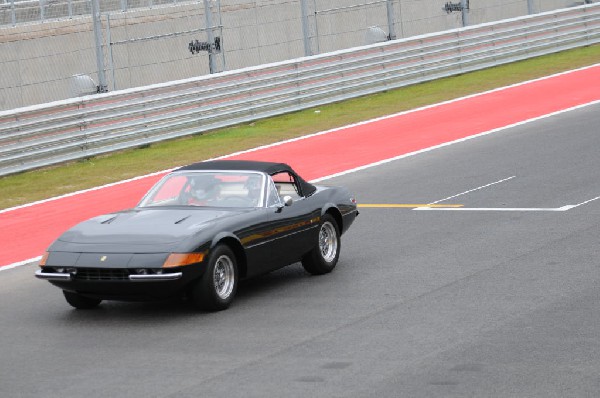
{"x": 208, "y": 189}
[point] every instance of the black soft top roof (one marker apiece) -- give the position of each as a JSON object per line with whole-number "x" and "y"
{"x": 245, "y": 165}
{"x": 250, "y": 165}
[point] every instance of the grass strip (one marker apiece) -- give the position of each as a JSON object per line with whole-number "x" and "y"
{"x": 48, "y": 182}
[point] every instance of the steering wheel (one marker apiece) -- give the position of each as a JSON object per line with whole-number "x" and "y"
{"x": 184, "y": 198}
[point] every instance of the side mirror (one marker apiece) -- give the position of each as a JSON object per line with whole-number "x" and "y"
{"x": 288, "y": 201}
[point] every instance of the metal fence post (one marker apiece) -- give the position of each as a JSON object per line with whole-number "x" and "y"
{"x": 210, "y": 36}
{"x": 13, "y": 14}
{"x": 390, "y": 17}
{"x": 530, "y": 8}
{"x": 42, "y": 9}
{"x": 220, "y": 24}
{"x": 310, "y": 29}
{"x": 111, "y": 63}
{"x": 465, "y": 8}
{"x": 102, "y": 86}
{"x": 305, "y": 31}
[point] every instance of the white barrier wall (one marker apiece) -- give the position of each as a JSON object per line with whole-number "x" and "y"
{"x": 38, "y": 60}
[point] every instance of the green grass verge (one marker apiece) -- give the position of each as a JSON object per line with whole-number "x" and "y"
{"x": 53, "y": 181}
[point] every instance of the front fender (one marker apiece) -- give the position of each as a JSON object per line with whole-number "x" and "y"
{"x": 222, "y": 236}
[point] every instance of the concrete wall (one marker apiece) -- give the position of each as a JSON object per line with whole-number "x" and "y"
{"x": 37, "y": 60}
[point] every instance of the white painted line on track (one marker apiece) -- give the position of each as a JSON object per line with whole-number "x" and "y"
{"x": 20, "y": 263}
{"x": 517, "y": 209}
{"x": 473, "y": 190}
{"x": 583, "y": 203}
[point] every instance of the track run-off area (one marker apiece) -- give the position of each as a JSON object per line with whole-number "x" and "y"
{"x": 26, "y": 231}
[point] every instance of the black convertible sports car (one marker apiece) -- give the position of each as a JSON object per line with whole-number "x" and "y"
{"x": 197, "y": 232}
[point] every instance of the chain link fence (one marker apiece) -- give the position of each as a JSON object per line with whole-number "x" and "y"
{"x": 159, "y": 46}
{"x": 13, "y": 12}
{"x": 50, "y": 49}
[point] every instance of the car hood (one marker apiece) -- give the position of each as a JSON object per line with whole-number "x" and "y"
{"x": 145, "y": 226}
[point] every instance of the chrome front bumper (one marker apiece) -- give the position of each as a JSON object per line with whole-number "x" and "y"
{"x": 55, "y": 276}
{"x": 155, "y": 277}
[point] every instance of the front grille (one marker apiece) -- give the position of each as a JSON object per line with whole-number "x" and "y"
{"x": 102, "y": 274}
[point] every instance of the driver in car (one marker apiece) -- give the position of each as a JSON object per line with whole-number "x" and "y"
{"x": 253, "y": 186}
{"x": 204, "y": 190}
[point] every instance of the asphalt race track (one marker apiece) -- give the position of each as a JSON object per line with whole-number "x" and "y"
{"x": 495, "y": 298}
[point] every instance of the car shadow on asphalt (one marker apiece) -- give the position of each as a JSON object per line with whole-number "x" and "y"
{"x": 270, "y": 284}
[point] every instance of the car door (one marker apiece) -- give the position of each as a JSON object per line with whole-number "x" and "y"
{"x": 258, "y": 239}
{"x": 295, "y": 226}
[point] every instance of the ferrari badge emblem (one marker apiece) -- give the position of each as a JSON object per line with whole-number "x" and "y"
{"x": 103, "y": 258}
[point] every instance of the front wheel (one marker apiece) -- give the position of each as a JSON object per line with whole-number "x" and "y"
{"x": 217, "y": 287}
{"x": 324, "y": 256}
{"x": 80, "y": 302}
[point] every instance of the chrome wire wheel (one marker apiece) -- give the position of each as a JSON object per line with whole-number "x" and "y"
{"x": 328, "y": 241}
{"x": 216, "y": 289}
{"x": 224, "y": 277}
{"x": 324, "y": 255}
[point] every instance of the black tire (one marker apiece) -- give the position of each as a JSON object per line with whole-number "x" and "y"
{"x": 81, "y": 302}
{"x": 323, "y": 258}
{"x": 217, "y": 288}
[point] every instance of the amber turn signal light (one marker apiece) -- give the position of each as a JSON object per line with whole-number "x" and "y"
{"x": 182, "y": 259}
{"x": 44, "y": 259}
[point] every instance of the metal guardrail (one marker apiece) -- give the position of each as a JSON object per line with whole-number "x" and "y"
{"x": 56, "y": 132}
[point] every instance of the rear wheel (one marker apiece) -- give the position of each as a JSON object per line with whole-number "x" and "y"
{"x": 324, "y": 256}
{"x": 81, "y": 302}
{"x": 217, "y": 287}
